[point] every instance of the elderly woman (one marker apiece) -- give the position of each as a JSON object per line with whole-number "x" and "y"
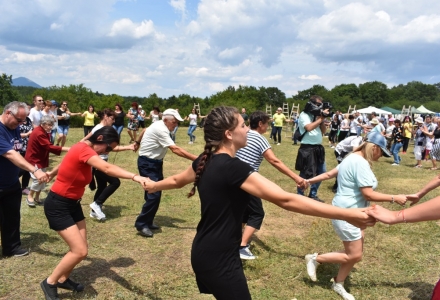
{"x": 419, "y": 145}
{"x": 356, "y": 185}
{"x": 37, "y": 153}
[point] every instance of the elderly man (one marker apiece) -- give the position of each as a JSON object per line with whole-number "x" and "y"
{"x": 10, "y": 190}
{"x": 154, "y": 142}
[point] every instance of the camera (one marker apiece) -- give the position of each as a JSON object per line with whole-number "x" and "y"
{"x": 317, "y": 109}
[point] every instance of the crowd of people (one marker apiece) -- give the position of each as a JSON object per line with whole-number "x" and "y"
{"x": 226, "y": 175}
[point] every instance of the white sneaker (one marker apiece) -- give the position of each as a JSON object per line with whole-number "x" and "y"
{"x": 245, "y": 253}
{"x": 394, "y": 164}
{"x": 93, "y": 215}
{"x": 190, "y": 143}
{"x": 338, "y": 287}
{"x": 333, "y": 147}
{"x": 311, "y": 265}
{"x": 278, "y": 144}
{"x": 97, "y": 210}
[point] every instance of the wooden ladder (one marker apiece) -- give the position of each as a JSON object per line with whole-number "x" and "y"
{"x": 351, "y": 109}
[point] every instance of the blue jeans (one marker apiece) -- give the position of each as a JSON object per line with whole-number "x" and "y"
{"x": 152, "y": 169}
{"x": 395, "y": 150}
{"x": 53, "y": 133}
{"x": 314, "y": 187}
{"x": 118, "y": 129}
{"x": 191, "y": 129}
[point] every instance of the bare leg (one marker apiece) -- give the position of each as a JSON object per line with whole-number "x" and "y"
{"x": 247, "y": 235}
{"x": 130, "y": 134}
{"x": 31, "y": 195}
{"x": 134, "y": 136}
{"x": 63, "y": 140}
{"x": 76, "y": 237}
{"x": 347, "y": 258}
{"x": 60, "y": 138}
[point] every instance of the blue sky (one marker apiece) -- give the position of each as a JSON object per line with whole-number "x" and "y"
{"x": 202, "y": 47}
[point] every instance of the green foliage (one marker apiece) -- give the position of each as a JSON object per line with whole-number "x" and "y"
{"x": 7, "y": 94}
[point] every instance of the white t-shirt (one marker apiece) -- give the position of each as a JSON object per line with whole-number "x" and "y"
{"x": 345, "y": 123}
{"x": 192, "y": 119}
{"x": 353, "y": 126}
{"x": 154, "y": 117}
{"x": 35, "y": 116}
{"x": 96, "y": 128}
{"x": 354, "y": 172}
{"x": 156, "y": 140}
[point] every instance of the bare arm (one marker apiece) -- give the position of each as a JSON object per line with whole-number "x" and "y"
{"x": 427, "y": 211}
{"x": 315, "y": 124}
{"x": 370, "y": 195}
{"x": 324, "y": 176}
{"x": 114, "y": 171}
{"x": 20, "y": 162}
{"x": 263, "y": 188}
{"x": 182, "y": 152}
{"x": 139, "y": 139}
{"x": 86, "y": 137}
{"x": 173, "y": 182}
{"x": 434, "y": 183}
{"x": 280, "y": 166}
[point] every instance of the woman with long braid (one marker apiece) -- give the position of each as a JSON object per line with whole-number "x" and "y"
{"x": 224, "y": 183}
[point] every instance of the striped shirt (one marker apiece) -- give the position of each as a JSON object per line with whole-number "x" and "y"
{"x": 253, "y": 152}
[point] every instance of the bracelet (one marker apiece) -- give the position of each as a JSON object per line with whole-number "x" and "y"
{"x": 137, "y": 142}
{"x": 35, "y": 170}
{"x": 132, "y": 178}
{"x": 403, "y": 215}
{"x": 392, "y": 198}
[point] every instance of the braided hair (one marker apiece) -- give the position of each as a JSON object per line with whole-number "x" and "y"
{"x": 219, "y": 120}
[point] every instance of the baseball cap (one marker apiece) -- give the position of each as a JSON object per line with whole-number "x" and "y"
{"x": 140, "y": 106}
{"x": 379, "y": 140}
{"x": 54, "y": 102}
{"x": 374, "y": 121}
{"x": 391, "y": 120}
{"x": 419, "y": 120}
{"x": 174, "y": 113}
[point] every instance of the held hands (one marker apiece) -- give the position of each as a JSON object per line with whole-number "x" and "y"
{"x": 382, "y": 214}
{"x": 414, "y": 198}
{"x": 360, "y": 218}
{"x": 136, "y": 147}
{"x": 400, "y": 199}
{"x": 302, "y": 184}
{"x": 41, "y": 176}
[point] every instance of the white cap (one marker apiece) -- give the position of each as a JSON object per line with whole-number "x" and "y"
{"x": 140, "y": 106}
{"x": 172, "y": 112}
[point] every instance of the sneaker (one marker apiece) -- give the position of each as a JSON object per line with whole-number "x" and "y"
{"x": 30, "y": 203}
{"x": 18, "y": 252}
{"x": 338, "y": 287}
{"x": 97, "y": 210}
{"x": 71, "y": 285}
{"x": 278, "y": 144}
{"x": 311, "y": 265}
{"x": 418, "y": 166}
{"x": 25, "y": 191}
{"x": 93, "y": 215}
{"x": 50, "y": 290}
{"x": 394, "y": 164}
{"x": 245, "y": 253}
{"x": 333, "y": 147}
{"x": 190, "y": 142}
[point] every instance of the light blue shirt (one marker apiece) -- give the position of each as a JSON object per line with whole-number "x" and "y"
{"x": 313, "y": 137}
{"x": 353, "y": 173}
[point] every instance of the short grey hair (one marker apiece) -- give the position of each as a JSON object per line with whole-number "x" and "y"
{"x": 46, "y": 119}
{"x": 14, "y": 106}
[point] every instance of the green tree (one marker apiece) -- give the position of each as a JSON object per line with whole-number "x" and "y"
{"x": 374, "y": 93}
{"x": 7, "y": 93}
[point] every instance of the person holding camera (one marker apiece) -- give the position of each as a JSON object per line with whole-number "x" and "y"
{"x": 310, "y": 160}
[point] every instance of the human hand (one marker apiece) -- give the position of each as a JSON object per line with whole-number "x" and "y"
{"x": 414, "y": 198}
{"x": 400, "y": 199}
{"x": 136, "y": 147}
{"x": 50, "y": 176}
{"x": 41, "y": 176}
{"x": 359, "y": 218}
{"x": 302, "y": 184}
{"x": 382, "y": 214}
{"x": 132, "y": 146}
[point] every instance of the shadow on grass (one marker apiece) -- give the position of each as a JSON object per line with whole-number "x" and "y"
{"x": 165, "y": 221}
{"x": 99, "y": 268}
{"x": 33, "y": 241}
{"x": 419, "y": 290}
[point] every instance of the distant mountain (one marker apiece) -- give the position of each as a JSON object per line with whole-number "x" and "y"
{"x": 23, "y": 81}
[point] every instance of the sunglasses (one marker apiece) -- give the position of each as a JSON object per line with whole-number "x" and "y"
{"x": 17, "y": 119}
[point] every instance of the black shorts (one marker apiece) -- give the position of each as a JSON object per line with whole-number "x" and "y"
{"x": 61, "y": 213}
{"x": 254, "y": 214}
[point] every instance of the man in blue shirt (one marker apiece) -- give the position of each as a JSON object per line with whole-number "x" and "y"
{"x": 10, "y": 189}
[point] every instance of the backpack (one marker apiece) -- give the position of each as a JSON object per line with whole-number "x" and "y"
{"x": 297, "y": 136}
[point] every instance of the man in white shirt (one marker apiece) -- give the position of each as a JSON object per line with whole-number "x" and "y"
{"x": 35, "y": 113}
{"x": 154, "y": 143}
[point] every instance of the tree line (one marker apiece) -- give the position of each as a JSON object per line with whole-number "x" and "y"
{"x": 373, "y": 93}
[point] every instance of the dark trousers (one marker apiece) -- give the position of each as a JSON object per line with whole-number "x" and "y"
{"x": 87, "y": 129}
{"x": 10, "y": 203}
{"x": 276, "y": 131}
{"x": 25, "y": 177}
{"x": 405, "y": 144}
{"x": 152, "y": 169}
{"x": 103, "y": 190}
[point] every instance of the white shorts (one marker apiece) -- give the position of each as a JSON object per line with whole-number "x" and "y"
{"x": 346, "y": 231}
{"x": 36, "y": 186}
{"x": 418, "y": 152}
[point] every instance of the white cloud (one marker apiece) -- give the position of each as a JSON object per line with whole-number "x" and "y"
{"x": 309, "y": 77}
{"x": 125, "y": 27}
{"x": 178, "y": 5}
{"x": 273, "y": 77}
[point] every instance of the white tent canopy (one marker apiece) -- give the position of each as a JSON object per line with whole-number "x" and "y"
{"x": 424, "y": 110}
{"x": 370, "y": 109}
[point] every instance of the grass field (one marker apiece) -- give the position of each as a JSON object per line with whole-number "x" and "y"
{"x": 400, "y": 262}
